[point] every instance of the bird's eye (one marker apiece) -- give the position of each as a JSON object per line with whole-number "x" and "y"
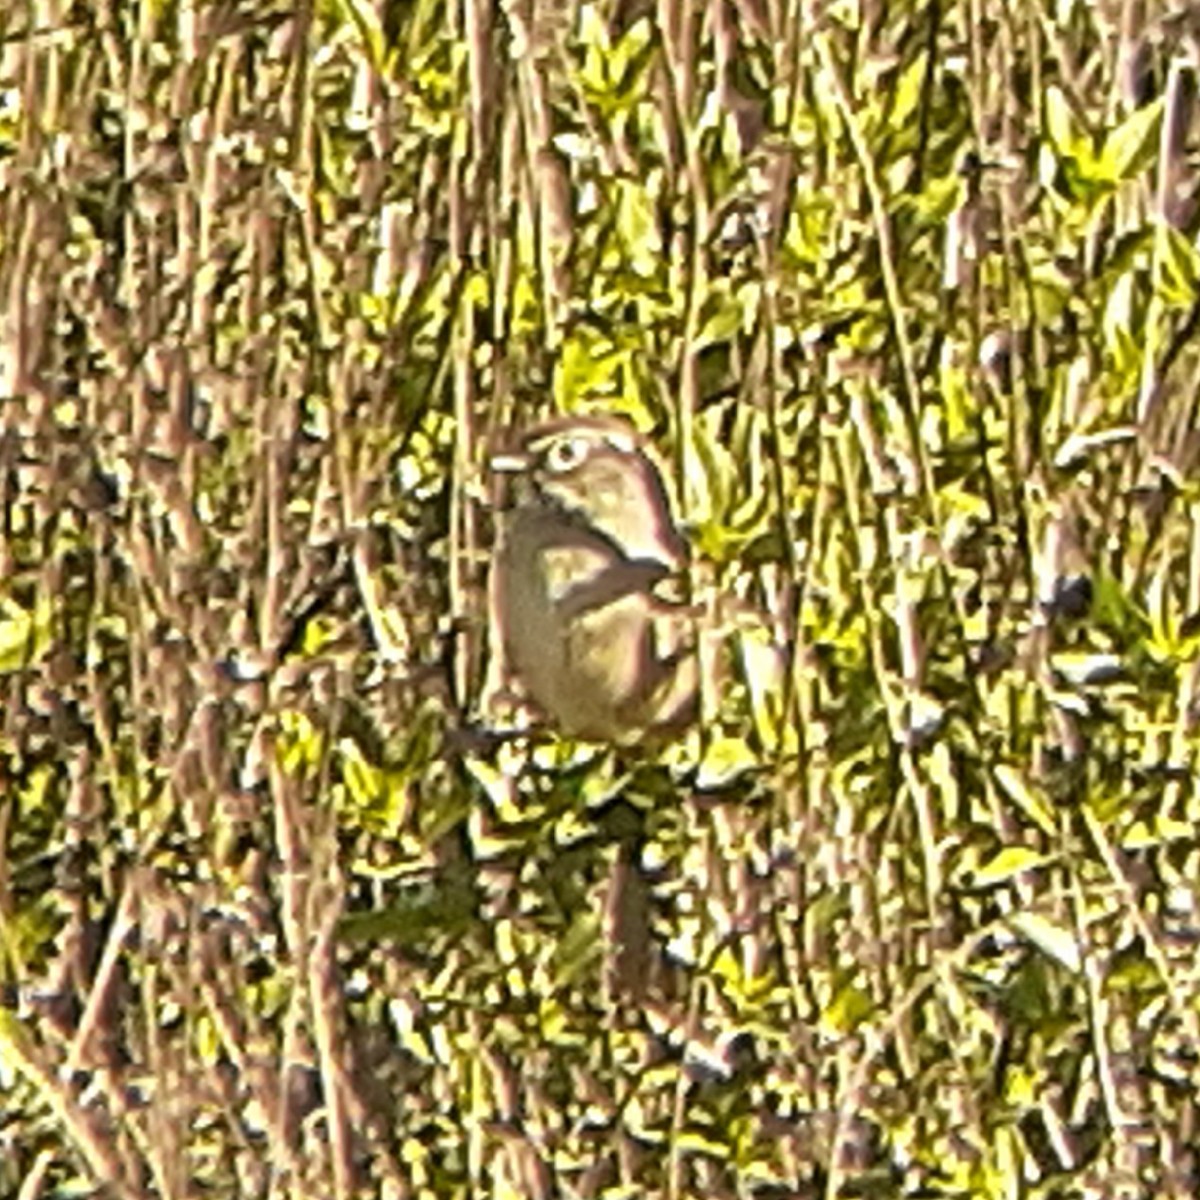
{"x": 565, "y": 453}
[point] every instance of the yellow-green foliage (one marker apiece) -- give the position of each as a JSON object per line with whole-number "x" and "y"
{"x": 906, "y": 297}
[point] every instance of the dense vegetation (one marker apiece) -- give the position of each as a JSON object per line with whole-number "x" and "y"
{"x": 906, "y": 295}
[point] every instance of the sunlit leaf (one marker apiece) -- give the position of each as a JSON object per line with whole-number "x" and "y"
{"x": 1008, "y": 863}
{"x": 725, "y": 760}
{"x": 850, "y": 1007}
{"x": 638, "y": 225}
{"x": 1179, "y": 269}
{"x": 906, "y": 93}
{"x": 24, "y": 634}
{"x": 1129, "y": 147}
{"x": 1024, "y": 797}
{"x": 1051, "y": 938}
{"x": 1068, "y": 140}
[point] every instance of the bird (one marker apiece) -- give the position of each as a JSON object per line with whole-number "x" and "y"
{"x": 587, "y": 550}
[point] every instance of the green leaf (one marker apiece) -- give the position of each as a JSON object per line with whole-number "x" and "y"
{"x": 587, "y": 367}
{"x": 578, "y": 949}
{"x": 1051, "y": 939}
{"x": 1143, "y": 836}
{"x": 1010, "y": 862}
{"x": 1078, "y": 169}
{"x": 722, "y": 323}
{"x": 763, "y": 663}
{"x": 300, "y": 745}
{"x": 366, "y": 21}
{"x": 1128, "y": 149}
{"x": 24, "y": 634}
{"x": 593, "y": 33}
{"x": 906, "y": 93}
{"x": 1179, "y": 269}
{"x": 1065, "y": 134}
{"x": 638, "y": 226}
{"x": 726, "y": 760}
{"x": 15, "y": 1043}
{"x": 1023, "y": 796}
{"x": 630, "y": 55}
{"x": 850, "y": 1007}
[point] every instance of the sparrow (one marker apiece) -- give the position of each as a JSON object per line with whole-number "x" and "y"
{"x": 586, "y": 552}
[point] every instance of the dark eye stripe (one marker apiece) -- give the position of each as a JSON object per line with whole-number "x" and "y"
{"x": 621, "y": 442}
{"x": 545, "y": 445}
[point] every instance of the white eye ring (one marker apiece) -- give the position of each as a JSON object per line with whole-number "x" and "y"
{"x": 566, "y": 452}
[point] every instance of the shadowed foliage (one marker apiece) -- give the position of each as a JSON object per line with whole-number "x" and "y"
{"x": 905, "y": 295}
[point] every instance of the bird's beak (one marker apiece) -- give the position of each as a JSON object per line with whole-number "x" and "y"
{"x": 511, "y": 462}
